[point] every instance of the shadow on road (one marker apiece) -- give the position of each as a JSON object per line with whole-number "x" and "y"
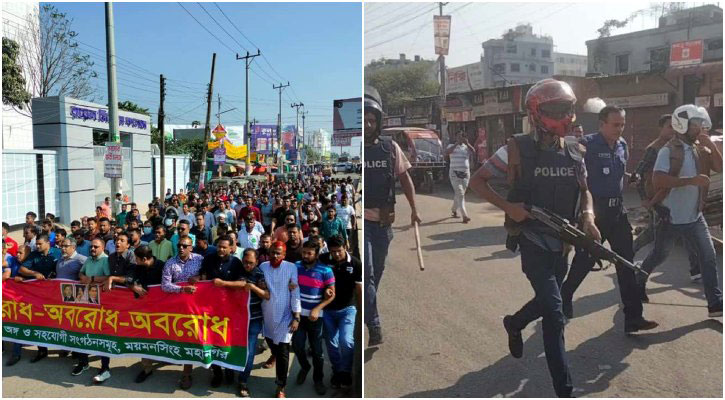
{"x": 474, "y": 237}
{"x": 593, "y": 364}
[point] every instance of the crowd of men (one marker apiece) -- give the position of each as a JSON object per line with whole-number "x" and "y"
{"x": 290, "y": 243}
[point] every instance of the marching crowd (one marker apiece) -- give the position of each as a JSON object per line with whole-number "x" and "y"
{"x": 291, "y": 243}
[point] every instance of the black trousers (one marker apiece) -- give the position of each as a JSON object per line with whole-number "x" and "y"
{"x": 615, "y": 228}
{"x": 281, "y": 352}
{"x": 312, "y": 331}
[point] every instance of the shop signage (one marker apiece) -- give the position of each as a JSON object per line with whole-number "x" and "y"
{"x": 645, "y": 100}
{"x": 686, "y": 53}
{"x": 101, "y": 115}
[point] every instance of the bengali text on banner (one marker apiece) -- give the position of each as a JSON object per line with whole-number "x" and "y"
{"x": 203, "y": 328}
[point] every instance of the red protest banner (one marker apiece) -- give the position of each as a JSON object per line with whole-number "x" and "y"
{"x": 204, "y": 328}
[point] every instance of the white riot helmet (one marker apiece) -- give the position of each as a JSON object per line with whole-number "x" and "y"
{"x": 684, "y": 114}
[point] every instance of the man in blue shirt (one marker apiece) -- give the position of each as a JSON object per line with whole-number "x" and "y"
{"x": 83, "y": 246}
{"x": 39, "y": 265}
{"x": 606, "y": 160}
{"x": 314, "y": 278}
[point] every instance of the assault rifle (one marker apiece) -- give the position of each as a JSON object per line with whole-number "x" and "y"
{"x": 570, "y": 234}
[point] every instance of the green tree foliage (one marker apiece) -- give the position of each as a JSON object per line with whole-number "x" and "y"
{"x": 132, "y": 107}
{"x": 193, "y": 147}
{"x": 14, "y": 92}
{"x": 397, "y": 85}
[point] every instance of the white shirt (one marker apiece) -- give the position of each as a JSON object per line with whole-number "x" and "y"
{"x": 249, "y": 240}
{"x": 282, "y": 303}
{"x": 345, "y": 213}
{"x": 459, "y": 158}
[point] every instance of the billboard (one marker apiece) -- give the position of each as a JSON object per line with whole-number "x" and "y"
{"x": 441, "y": 34}
{"x": 346, "y": 120}
{"x": 264, "y": 139}
{"x": 466, "y": 78}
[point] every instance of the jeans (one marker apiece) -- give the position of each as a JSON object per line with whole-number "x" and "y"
{"x": 459, "y": 193}
{"x": 255, "y": 326}
{"x": 545, "y": 271}
{"x": 377, "y": 240}
{"x": 614, "y": 226}
{"x": 697, "y": 239}
{"x": 340, "y": 334}
{"x": 648, "y": 235}
{"x": 281, "y": 352}
{"x": 311, "y": 330}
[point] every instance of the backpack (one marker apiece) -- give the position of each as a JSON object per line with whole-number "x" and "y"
{"x": 677, "y": 158}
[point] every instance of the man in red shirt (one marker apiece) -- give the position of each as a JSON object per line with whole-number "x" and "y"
{"x": 11, "y": 244}
{"x": 250, "y": 208}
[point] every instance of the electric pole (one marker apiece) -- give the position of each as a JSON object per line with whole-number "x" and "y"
{"x": 219, "y": 109}
{"x": 114, "y": 135}
{"x": 207, "y": 128}
{"x": 297, "y": 106}
{"x": 303, "y": 134}
{"x": 162, "y": 159}
{"x": 248, "y": 59}
{"x": 442, "y": 62}
{"x": 280, "y": 165}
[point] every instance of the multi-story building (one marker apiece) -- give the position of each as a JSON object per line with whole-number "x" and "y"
{"x": 320, "y": 141}
{"x": 518, "y": 57}
{"x": 18, "y": 126}
{"x": 570, "y": 64}
{"x": 649, "y": 50}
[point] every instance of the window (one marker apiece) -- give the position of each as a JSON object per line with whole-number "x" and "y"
{"x": 499, "y": 68}
{"x": 659, "y": 59}
{"x": 532, "y": 67}
{"x": 621, "y": 64}
{"x": 533, "y": 52}
{"x": 544, "y": 69}
{"x": 545, "y": 53}
{"x": 511, "y": 48}
{"x": 515, "y": 67}
{"x": 713, "y": 44}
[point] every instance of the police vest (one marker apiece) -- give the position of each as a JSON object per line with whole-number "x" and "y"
{"x": 379, "y": 175}
{"x": 546, "y": 179}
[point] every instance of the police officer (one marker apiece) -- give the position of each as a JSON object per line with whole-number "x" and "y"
{"x": 606, "y": 160}
{"x": 384, "y": 161}
{"x": 545, "y": 169}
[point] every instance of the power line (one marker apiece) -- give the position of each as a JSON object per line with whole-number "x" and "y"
{"x": 208, "y": 31}
{"x": 221, "y": 26}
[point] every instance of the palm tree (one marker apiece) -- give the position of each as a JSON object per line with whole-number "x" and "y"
{"x": 195, "y": 124}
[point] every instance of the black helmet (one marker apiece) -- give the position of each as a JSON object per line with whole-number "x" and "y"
{"x": 375, "y": 105}
{"x": 171, "y": 213}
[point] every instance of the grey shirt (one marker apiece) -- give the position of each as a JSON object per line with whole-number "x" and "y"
{"x": 68, "y": 268}
{"x": 681, "y": 201}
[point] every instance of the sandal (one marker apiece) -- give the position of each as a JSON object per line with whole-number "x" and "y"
{"x": 269, "y": 363}
{"x": 243, "y": 390}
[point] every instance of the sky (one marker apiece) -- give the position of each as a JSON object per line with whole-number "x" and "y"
{"x": 394, "y": 28}
{"x": 314, "y": 46}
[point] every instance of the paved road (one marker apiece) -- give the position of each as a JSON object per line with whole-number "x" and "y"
{"x": 51, "y": 378}
{"x": 444, "y": 335}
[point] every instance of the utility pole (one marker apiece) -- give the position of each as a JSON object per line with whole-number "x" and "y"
{"x": 114, "y": 135}
{"x": 248, "y": 59}
{"x": 297, "y": 106}
{"x": 207, "y": 128}
{"x": 162, "y": 159}
{"x": 303, "y": 134}
{"x": 219, "y": 109}
{"x": 442, "y": 63}
{"x": 280, "y": 165}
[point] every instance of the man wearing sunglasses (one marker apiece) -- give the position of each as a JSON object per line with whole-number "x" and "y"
{"x": 94, "y": 272}
{"x": 184, "y": 267}
{"x": 183, "y": 230}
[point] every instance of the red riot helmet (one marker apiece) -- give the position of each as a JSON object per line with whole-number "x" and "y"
{"x": 550, "y": 104}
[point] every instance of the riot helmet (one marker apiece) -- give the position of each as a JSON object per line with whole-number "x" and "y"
{"x": 373, "y": 117}
{"x": 550, "y": 104}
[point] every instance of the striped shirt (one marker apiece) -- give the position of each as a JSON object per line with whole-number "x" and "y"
{"x": 255, "y": 302}
{"x": 282, "y": 303}
{"x": 313, "y": 282}
{"x": 459, "y": 158}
